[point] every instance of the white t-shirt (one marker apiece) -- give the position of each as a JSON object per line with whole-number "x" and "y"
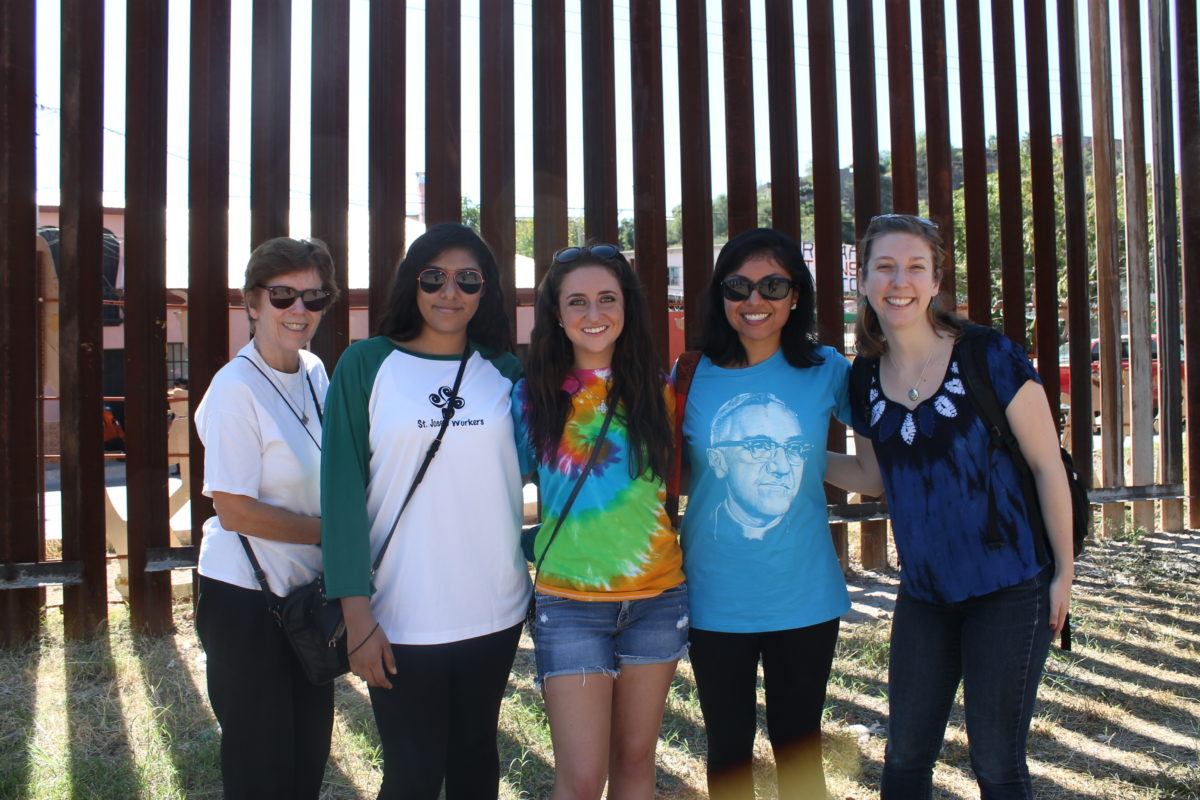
{"x": 255, "y": 445}
{"x": 454, "y": 568}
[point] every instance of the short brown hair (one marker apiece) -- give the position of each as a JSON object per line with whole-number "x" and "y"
{"x": 282, "y": 255}
{"x": 868, "y": 335}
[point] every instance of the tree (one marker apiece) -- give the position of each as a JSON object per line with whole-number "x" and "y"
{"x": 525, "y": 237}
{"x": 470, "y": 214}
{"x": 625, "y": 234}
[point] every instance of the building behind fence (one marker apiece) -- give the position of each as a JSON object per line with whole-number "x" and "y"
{"x": 1056, "y": 242}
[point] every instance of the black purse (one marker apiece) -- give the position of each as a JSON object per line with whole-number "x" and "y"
{"x": 529, "y": 535}
{"x": 313, "y": 624}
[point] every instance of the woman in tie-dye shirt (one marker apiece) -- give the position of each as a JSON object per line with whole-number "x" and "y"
{"x": 612, "y": 606}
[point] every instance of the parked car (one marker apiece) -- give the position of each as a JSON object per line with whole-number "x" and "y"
{"x": 1064, "y": 377}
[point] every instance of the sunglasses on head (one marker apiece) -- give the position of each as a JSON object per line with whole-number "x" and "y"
{"x": 601, "y": 251}
{"x": 283, "y": 297}
{"x": 928, "y": 223}
{"x": 432, "y": 279}
{"x": 773, "y": 287}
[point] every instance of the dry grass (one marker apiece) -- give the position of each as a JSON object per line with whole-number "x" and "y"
{"x": 120, "y": 716}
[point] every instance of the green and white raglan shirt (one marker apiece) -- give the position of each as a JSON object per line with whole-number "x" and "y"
{"x": 454, "y": 569}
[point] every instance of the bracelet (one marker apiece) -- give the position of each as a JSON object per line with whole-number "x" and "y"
{"x": 366, "y": 638}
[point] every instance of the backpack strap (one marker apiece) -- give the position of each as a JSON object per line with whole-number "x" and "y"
{"x": 860, "y": 384}
{"x": 973, "y": 367}
{"x": 685, "y": 370}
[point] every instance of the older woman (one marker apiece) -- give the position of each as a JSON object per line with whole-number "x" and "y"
{"x": 432, "y": 627}
{"x": 260, "y": 422}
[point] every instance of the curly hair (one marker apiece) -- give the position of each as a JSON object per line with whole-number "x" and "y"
{"x": 798, "y": 340}
{"x": 637, "y": 379}
{"x": 403, "y": 322}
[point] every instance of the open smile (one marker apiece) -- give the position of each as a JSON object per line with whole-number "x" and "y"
{"x": 297, "y": 327}
{"x": 595, "y": 330}
{"x": 900, "y": 302}
{"x": 755, "y": 317}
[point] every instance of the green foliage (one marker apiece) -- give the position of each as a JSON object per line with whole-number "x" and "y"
{"x": 525, "y": 237}
{"x": 625, "y": 234}
{"x": 470, "y": 214}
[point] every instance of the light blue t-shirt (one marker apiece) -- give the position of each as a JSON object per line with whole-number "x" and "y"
{"x": 757, "y": 550}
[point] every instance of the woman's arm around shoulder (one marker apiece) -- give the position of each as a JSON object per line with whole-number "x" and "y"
{"x": 857, "y": 471}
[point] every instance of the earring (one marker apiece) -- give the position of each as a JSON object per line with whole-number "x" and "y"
{"x": 793, "y": 306}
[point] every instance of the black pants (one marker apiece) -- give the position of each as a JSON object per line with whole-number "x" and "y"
{"x": 796, "y": 666}
{"x": 275, "y": 725}
{"x": 438, "y": 721}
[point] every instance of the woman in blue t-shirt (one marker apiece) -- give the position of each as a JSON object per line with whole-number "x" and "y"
{"x": 763, "y": 577}
{"x": 980, "y": 597}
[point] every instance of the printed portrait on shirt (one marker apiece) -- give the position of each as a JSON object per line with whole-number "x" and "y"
{"x": 756, "y": 450}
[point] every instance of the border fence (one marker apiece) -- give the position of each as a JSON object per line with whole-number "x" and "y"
{"x": 1067, "y": 242}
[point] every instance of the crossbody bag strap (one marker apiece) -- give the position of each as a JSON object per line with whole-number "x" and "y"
{"x": 562, "y": 515}
{"x": 288, "y": 403}
{"x": 261, "y": 577}
{"x": 259, "y": 574}
{"x": 447, "y": 413}
{"x": 316, "y": 403}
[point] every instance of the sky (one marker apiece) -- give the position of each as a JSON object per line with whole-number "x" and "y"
{"x": 49, "y": 107}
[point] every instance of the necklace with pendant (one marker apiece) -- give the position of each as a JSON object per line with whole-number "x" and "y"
{"x": 586, "y": 393}
{"x": 914, "y": 391}
{"x": 302, "y": 405}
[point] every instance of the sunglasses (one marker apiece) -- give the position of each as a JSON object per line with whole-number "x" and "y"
{"x": 924, "y": 221}
{"x": 773, "y": 287}
{"x": 601, "y": 251}
{"x": 284, "y": 297}
{"x": 432, "y": 279}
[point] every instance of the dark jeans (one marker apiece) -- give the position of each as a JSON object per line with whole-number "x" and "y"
{"x": 438, "y": 721}
{"x": 796, "y": 666}
{"x": 996, "y": 644}
{"x": 275, "y": 725}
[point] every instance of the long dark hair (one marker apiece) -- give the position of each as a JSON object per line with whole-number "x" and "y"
{"x": 868, "y": 335}
{"x": 720, "y": 341}
{"x": 403, "y": 322}
{"x": 637, "y": 379}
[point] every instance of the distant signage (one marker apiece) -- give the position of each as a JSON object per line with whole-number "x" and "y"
{"x": 849, "y": 265}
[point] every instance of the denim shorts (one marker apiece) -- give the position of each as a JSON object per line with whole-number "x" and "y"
{"x": 581, "y": 637}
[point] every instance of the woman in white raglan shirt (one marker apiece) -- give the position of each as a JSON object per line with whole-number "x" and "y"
{"x": 435, "y": 629}
{"x": 260, "y": 422}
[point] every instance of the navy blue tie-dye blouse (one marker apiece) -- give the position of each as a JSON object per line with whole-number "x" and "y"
{"x": 936, "y": 461}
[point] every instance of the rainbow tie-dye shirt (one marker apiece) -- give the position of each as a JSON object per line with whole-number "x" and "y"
{"x": 616, "y": 542}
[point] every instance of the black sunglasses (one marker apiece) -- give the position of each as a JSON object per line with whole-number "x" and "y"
{"x": 601, "y": 251}
{"x": 432, "y": 279}
{"x": 925, "y": 221}
{"x": 773, "y": 287}
{"x": 283, "y": 297}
